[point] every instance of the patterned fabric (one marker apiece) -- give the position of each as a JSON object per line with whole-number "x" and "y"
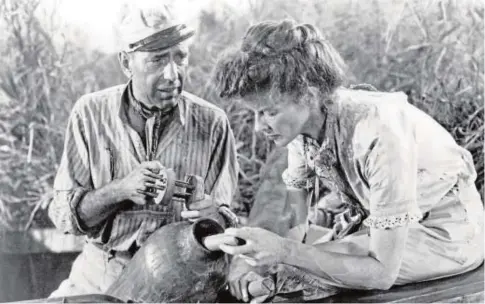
{"x": 384, "y": 155}
{"x": 100, "y": 146}
{"x": 391, "y": 221}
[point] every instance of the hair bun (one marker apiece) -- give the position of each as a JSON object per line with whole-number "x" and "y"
{"x": 270, "y": 38}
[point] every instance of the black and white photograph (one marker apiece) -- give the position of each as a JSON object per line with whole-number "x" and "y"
{"x": 242, "y": 151}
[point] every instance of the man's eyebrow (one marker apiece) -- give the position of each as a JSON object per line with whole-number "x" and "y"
{"x": 159, "y": 55}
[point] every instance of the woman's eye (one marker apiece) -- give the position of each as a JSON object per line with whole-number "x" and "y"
{"x": 270, "y": 113}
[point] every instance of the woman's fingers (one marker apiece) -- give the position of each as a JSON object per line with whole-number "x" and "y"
{"x": 248, "y": 259}
{"x": 260, "y": 299}
{"x": 214, "y": 241}
{"x": 246, "y": 233}
{"x": 259, "y": 258}
{"x": 244, "y": 283}
{"x": 235, "y": 250}
{"x": 235, "y": 290}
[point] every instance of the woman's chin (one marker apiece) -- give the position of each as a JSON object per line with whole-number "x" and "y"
{"x": 280, "y": 141}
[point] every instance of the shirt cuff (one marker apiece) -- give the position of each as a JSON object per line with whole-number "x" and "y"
{"x": 297, "y": 183}
{"x": 392, "y": 221}
{"x": 77, "y": 197}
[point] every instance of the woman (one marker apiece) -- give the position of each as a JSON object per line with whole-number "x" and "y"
{"x": 373, "y": 150}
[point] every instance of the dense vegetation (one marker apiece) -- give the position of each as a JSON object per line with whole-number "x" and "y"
{"x": 432, "y": 50}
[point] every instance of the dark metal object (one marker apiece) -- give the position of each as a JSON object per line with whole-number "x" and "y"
{"x": 174, "y": 266}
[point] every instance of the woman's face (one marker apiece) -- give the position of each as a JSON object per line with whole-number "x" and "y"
{"x": 280, "y": 120}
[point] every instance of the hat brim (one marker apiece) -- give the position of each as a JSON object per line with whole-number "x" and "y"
{"x": 162, "y": 40}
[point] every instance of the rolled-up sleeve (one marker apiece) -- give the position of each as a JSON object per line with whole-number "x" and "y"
{"x": 391, "y": 172}
{"x": 223, "y": 168}
{"x": 73, "y": 179}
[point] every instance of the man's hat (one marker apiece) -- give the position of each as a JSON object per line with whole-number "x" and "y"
{"x": 148, "y": 25}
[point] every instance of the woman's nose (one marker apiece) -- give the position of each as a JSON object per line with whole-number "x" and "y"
{"x": 260, "y": 124}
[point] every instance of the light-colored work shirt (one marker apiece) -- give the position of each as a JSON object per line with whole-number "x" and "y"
{"x": 100, "y": 146}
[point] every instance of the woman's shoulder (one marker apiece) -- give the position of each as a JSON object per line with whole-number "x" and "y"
{"x": 364, "y": 116}
{"x": 374, "y": 107}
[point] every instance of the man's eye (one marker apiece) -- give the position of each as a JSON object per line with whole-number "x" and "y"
{"x": 160, "y": 59}
{"x": 180, "y": 58}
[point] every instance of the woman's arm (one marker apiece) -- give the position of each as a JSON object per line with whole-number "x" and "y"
{"x": 390, "y": 170}
{"x": 374, "y": 268}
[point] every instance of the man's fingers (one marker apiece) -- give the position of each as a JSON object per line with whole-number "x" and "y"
{"x": 202, "y": 204}
{"x": 155, "y": 166}
{"x": 189, "y": 214}
{"x": 154, "y": 185}
{"x": 152, "y": 175}
{"x": 150, "y": 194}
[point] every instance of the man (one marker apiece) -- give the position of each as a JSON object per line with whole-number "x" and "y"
{"x": 119, "y": 139}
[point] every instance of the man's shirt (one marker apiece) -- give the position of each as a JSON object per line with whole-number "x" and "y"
{"x": 100, "y": 146}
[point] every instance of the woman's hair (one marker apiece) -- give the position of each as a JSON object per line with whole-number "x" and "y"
{"x": 280, "y": 57}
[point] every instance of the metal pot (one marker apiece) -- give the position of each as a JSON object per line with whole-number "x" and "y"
{"x": 174, "y": 266}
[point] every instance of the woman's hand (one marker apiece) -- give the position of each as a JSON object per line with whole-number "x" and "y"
{"x": 262, "y": 247}
{"x": 240, "y": 276}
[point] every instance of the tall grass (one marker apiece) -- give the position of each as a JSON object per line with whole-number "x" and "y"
{"x": 432, "y": 50}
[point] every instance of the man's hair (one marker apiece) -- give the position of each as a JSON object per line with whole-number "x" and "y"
{"x": 280, "y": 57}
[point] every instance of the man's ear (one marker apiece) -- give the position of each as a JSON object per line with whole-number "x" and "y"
{"x": 124, "y": 59}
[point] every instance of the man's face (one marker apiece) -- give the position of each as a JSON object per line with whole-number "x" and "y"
{"x": 158, "y": 76}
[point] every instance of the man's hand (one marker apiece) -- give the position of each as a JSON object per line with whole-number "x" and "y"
{"x": 142, "y": 183}
{"x": 200, "y": 209}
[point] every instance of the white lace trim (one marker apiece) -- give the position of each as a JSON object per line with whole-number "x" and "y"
{"x": 295, "y": 182}
{"x": 391, "y": 221}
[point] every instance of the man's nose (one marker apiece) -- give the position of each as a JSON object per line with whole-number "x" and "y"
{"x": 170, "y": 70}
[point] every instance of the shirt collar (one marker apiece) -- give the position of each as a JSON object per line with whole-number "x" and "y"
{"x": 326, "y": 151}
{"x": 179, "y": 112}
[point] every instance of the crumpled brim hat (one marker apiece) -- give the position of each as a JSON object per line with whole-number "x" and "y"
{"x": 151, "y": 26}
